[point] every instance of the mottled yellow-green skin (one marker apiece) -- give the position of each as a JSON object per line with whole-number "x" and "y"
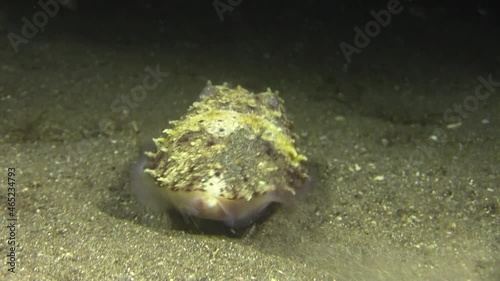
{"x": 231, "y": 143}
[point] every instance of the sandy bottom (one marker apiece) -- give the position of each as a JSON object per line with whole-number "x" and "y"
{"x": 399, "y": 192}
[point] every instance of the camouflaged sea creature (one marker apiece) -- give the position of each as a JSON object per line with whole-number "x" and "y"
{"x": 229, "y": 157}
